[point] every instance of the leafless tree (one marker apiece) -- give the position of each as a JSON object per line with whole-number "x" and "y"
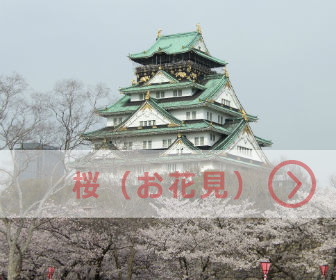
{"x": 19, "y": 115}
{"x": 60, "y": 118}
{"x": 72, "y": 111}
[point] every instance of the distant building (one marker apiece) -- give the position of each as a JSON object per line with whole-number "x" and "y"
{"x": 38, "y": 161}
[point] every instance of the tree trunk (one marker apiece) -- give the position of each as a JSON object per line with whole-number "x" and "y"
{"x": 130, "y": 263}
{"x": 14, "y": 263}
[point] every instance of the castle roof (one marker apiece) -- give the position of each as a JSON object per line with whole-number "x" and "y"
{"x": 204, "y": 98}
{"x": 177, "y": 44}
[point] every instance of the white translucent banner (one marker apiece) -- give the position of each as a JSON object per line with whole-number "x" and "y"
{"x": 142, "y": 184}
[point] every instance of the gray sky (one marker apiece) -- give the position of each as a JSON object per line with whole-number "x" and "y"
{"x": 281, "y": 54}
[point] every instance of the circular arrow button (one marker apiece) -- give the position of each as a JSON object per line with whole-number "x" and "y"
{"x": 296, "y": 180}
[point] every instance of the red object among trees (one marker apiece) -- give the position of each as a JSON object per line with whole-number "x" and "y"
{"x": 324, "y": 269}
{"x": 265, "y": 267}
{"x": 51, "y": 271}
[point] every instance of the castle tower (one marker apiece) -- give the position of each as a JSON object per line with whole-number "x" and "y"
{"x": 179, "y": 103}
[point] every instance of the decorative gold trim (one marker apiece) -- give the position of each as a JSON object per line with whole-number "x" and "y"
{"x": 181, "y": 74}
{"x": 158, "y": 35}
{"x": 179, "y": 141}
{"x": 154, "y": 126}
{"x": 244, "y": 115}
{"x": 144, "y": 79}
{"x": 198, "y": 28}
{"x": 146, "y": 106}
{"x": 247, "y": 130}
{"x": 147, "y": 95}
{"x": 179, "y": 135}
{"x": 226, "y": 73}
{"x": 139, "y": 127}
{"x": 172, "y": 125}
{"x": 123, "y": 128}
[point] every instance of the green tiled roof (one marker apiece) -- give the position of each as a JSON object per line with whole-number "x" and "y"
{"x": 174, "y": 44}
{"x": 163, "y": 111}
{"x": 228, "y": 140}
{"x": 235, "y": 131}
{"x": 199, "y": 126}
{"x": 231, "y": 112}
{"x": 133, "y": 89}
{"x": 170, "y": 44}
{"x": 209, "y": 57}
{"x": 211, "y": 89}
{"x": 185, "y": 141}
{"x": 263, "y": 142}
{"x": 158, "y": 108}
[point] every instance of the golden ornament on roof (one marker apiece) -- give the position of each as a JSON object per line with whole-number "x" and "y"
{"x": 147, "y": 95}
{"x": 144, "y": 79}
{"x": 198, "y": 28}
{"x": 158, "y": 35}
{"x": 181, "y": 74}
{"x": 226, "y": 73}
{"x": 244, "y": 115}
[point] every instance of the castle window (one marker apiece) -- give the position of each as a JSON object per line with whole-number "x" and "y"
{"x": 188, "y": 115}
{"x": 196, "y": 141}
{"x": 172, "y": 167}
{"x": 147, "y": 144}
{"x": 160, "y": 94}
{"x": 212, "y": 136}
{"x": 220, "y": 119}
{"x": 209, "y": 116}
{"x": 128, "y": 145}
{"x": 177, "y": 92}
{"x": 245, "y": 151}
{"x": 150, "y": 123}
{"x": 225, "y": 102}
{"x": 166, "y": 143}
{"x": 194, "y": 114}
{"x": 147, "y": 123}
{"x": 201, "y": 141}
{"x": 141, "y": 96}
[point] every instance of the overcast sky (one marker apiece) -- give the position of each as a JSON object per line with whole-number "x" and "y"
{"x": 281, "y": 54}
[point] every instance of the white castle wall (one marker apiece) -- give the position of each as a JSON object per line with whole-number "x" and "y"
{"x": 157, "y": 140}
{"x": 167, "y": 94}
